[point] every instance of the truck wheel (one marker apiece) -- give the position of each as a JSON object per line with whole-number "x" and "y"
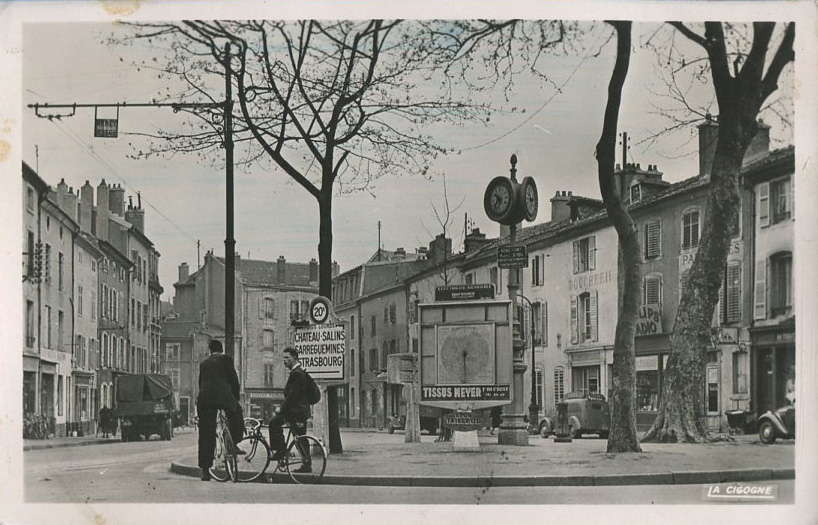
{"x": 575, "y": 432}
{"x": 766, "y": 433}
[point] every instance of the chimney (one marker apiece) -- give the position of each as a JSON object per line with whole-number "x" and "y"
{"x": 440, "y": 248}
{"x": 400, "y": 254}
{"x": 86, "y": 206}
{"x": 184, "y": 272}
{"x": 760, "y": 145}
{"x": 336, "y": 269}
{"x": 70, "y": 204}
{"x": 313, "y": 270}
{"x": 117, "y": 200}
{"x": 102, "y": 211}
{"x": 281, "y": 269}
{"x": 708, "y": 137}
{"x": 560, "y": 210}
{"x": 475, "y": 240}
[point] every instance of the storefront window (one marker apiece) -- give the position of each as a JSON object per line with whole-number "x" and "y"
{"x": 740, "y": 360}
{"x": 647, "y": 390}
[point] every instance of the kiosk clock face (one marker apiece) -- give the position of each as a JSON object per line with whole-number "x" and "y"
{"x": 531, "y": 199}
{"x": 499, "y": 199}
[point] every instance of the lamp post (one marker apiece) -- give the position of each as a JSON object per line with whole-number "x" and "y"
{"x": 534, "y": 407}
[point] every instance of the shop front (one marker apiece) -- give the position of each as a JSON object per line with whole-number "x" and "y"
{"x": 263, "y": 402}
{"x": 773, "y": 364}
{"x": 651, "y": 365}
{"x": 590, "y": 370}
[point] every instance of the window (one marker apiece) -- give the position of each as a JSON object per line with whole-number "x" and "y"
{"x": 352, "y": 328}
{"x": 30, "y": 198}
{"x": 60, "y": 330}
{"x": 93, "y": 305}
{"x": 105, "y": 360}
{"x": 690, "y": 229}
{"x": 384, "y": 353}
{"x": 539, "y": 382}
{"x": 469, "y": 278}
{"x": 559, "y": 384}
{"x": 780, "y": 196}
{"x": 268, "y": 339}
{"x": 47, "y": 263}
{"x": 93, "y": 266}
{"x": 30, "y": 318}
{"x": 48, "y": 326}
{"x": 79, "y": 300}
{"x": 269, "y": 373}
{"x": 144, "y": 317}
{"x": 374, "y": 323}
{"x": 373, "y": 359}
{"x": 30, "y": 251}
{"x": 61, "y": 271}
{"x": 352, "y": 362}
{"x": 60, "y": 395}
{"x": 652, "y": 290}
{"x": 173, "y": 350}
{"x": 386, "y": 315}
{"x": 539, "y": 321}
{"x": 636, "y": 192}
{"x": 174, "y": 377}
{"x": 585, "y": 379}
{"x": 731, "y": 310}
{"x": 651, "y": 245}
{"x": 133, "y": 312}
{"x": 584, "y": 254}
{"x": 269, "y": 308}
{"x": 712, "y": 389}
{"x": 740, "y": 372}
{"x": 538, "y": 270}
{"x": 138, "y": 315}
{"x": 393, "y": 313}
{"x": 780, "y": 287}
{"x": 584, "y": 317}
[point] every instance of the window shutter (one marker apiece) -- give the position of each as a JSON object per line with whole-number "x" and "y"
{"x": 652, "y": 237}
{"x": 534, "y": 270}
{"x": 544, "y": 338}
{"x": 576, "y": 257}
{"x": 718, "y": 313}
{"x": 594, "y": 327}
{"x": 574, "y": 324}
{"x": 734, "y": 293}
{"x": 652, "y": 293}
{"x": 764, "y": 205}
{"x": 261, "y": 307}
{"x": 760, "y": 310}
{"x": 592, "y": 252}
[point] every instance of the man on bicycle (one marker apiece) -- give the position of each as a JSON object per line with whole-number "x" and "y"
{"x": 295, "y": 410}
{"x": 218, "y": 389}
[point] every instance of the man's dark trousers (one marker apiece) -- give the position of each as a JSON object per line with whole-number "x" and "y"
{"x": 298, "y": 428}
{"x": 207, "y": 431}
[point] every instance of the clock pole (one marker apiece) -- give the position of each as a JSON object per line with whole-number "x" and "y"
{"x": 513, "y": 429}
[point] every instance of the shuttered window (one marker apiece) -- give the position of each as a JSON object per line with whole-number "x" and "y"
{"x": 584, "y": 317}
{"x": 652, "y": 238}
{"x": 537, "y": 270}
{"x": 763, "y": 199}
{"x": 760, "y": 290}
{"x": 652, "y": 290}
{"x": 559, "y": 384}
{"x": 584, "y": 254}
{"x": 733, "y": 293}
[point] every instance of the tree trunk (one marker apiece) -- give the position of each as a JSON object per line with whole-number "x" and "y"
{"x": 622, "y": 437}
{"x": 682, "y": 411}
{"x": 325, "y": 241}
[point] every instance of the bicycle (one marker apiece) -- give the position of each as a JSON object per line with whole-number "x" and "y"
{"x": 301, "y": 451}
{"x": 225, "y": 465}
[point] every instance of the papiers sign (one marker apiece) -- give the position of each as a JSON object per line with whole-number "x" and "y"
{"x": 321, "y": 349}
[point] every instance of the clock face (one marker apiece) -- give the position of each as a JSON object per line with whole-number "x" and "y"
{"x": 465, "y": 355}
{"x": 531, "y": 199}
{"x": 499, "y": 200}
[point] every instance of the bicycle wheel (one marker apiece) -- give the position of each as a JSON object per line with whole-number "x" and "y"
{"x": 255, "y": 460}
{"x": 219, "y": 470}
{"x": 306, "y": 460}
{"x": 230, "y": 456}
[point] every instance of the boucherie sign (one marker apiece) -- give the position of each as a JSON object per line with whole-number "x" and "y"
{"x": 650, "y": 320}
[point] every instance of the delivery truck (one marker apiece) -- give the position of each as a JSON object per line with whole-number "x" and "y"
{"x": 144, "y": 406}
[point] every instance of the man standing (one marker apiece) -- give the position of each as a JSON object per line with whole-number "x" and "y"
{"x": 295, "y": 410}
{"x": 218, "y": 388}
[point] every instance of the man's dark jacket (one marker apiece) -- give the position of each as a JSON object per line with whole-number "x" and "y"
{"x": 296, "y": 407}
{"x": 218, "y": 382}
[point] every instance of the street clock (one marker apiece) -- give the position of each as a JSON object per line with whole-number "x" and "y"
{"x": 531, "y": 199}
{"x": 501, "y": 200}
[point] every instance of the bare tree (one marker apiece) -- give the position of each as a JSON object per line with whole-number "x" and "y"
{"x": 444, "y": 217}
{"x": 334, "y": 105}
{"x": 622, "y": 436}
{"x": 741, "y": 91}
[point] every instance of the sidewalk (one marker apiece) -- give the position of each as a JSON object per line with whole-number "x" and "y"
{"x": 67, "y": 441}
{"x": 380, "y": 459}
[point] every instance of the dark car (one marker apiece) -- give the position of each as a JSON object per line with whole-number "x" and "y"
{"x": 586, "y": 413}
{"x": 778, "y": 424}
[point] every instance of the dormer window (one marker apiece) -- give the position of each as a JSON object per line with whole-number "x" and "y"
{"x": 636, "y": 192}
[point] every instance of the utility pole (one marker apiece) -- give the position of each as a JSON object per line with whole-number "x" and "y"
{"x": 227, "y": 111}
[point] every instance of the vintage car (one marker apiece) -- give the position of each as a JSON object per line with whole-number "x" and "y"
{"x": 778, "y": 424}
{"x": 586, "y": 413}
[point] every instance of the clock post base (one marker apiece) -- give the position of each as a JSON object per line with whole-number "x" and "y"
{"x": 513, "y": 436}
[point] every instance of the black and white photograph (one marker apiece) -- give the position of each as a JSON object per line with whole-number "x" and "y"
{"x": 367, "y": 262}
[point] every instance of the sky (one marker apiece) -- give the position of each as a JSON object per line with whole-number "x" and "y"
{"x": 553, "y": 138}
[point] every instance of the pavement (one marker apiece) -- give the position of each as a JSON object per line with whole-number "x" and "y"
{"x": 376, "y": 458}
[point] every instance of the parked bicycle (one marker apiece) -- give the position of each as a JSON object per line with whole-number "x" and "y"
{"x": 301, "y": 451}
{"x": 225, "y": 465}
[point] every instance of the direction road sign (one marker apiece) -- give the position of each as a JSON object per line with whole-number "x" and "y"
{"x": 512, "y": 256}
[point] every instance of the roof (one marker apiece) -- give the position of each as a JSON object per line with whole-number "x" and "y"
{"x": 253, "y": 271}
{"x": 383, "y": 276}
